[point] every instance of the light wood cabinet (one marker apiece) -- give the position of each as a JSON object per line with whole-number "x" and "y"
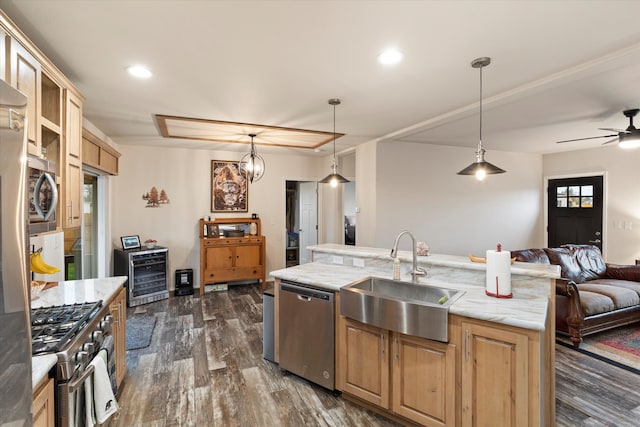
{"x": 364, "y": 362}
{"x": 423, "y": 379}
{"x": 43, "y": 406}
{"x": 228, "y": 259}
{"x": 72, "y": 176}
{"x": 98, "y": 154}
{"x": 25, "y": 74}
{"x": 500, "y": 375}
{"x": 118, "y": 310}
{"x": 4, "y": 39}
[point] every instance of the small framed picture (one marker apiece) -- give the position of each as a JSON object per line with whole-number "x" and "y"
{"x": 130, "y": 242}
{"x": 213, "y": 230}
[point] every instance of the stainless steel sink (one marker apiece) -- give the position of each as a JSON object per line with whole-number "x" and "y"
{"x": 419, "y": 310}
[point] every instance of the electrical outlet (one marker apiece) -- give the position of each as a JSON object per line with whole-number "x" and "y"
{"x": 358, "y": 262}
{"x": 338, "y": 259}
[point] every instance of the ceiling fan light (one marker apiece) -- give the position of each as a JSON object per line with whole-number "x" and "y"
{"x": 630, "y": 142}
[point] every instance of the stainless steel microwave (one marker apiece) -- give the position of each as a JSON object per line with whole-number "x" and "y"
{"x": 43, "y": 195}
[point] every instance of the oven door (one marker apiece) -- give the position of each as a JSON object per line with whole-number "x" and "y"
{"x": 43, "y": 195}
{"x": 71, "y": 398}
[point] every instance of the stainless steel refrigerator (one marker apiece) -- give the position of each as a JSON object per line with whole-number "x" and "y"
{"x": 15, "y": 327}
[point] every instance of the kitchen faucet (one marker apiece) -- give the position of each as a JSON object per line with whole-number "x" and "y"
{"x": 394, "y": 254}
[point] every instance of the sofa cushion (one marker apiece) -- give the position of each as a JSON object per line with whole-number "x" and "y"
{"x": 621, "y": 297}
{"x": 623, "y": 272}
{"x": 535, "y": 256}
{"x": 594, "y": 303}
{"x": 634, "y": 286}
{"x": 579, "y": 263}
{"x": 590, "y": 261}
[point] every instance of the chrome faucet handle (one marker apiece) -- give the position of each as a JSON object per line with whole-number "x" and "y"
{"x": 420, "y": 272}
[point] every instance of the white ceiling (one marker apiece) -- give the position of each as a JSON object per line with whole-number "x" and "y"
{"x": 560, "y": 69}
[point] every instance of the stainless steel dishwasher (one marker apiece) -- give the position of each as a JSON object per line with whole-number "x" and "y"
{"x": 307, "y": 333}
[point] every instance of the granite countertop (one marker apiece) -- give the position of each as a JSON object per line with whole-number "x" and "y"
{"x": 70, "y": 292}
{"x": 524, "y": 310}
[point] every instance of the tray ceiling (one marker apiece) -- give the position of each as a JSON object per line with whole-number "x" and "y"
{"x": 238, "y": 133}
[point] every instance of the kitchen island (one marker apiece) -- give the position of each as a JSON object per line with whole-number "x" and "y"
{"x": 518, "y": 331}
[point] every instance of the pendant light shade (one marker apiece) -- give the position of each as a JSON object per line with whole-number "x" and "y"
{"x": 480, "y": 168}
{"x": 252, "y": 164}
{"x": 334, "y": 178}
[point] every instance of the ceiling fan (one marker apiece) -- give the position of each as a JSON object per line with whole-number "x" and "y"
{"x": 628, "y": 138}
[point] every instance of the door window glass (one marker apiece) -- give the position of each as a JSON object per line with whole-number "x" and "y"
{"x": 574, "y": 196}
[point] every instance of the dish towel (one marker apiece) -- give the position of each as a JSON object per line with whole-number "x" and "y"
{"x": 100, "y": 401}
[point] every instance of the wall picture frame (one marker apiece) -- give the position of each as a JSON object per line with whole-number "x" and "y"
{"x": 229, "y": 187}
{"x": 130, "y": 242}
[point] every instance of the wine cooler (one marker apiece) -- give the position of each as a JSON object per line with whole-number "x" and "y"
{"x": 147, "y": 271}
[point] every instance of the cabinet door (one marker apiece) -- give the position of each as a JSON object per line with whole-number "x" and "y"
{"x": 218, "y": 258}
{"x": 365, "y": 363}
{"x": 494, "y": 377}
{"x": 25, "y": 76}
{"x": 247, "y": 256}
{"x": 72, "y": 172}
{"x": 3, "y": 55}
{"x": 424, "y": 380}
{"x": 118, "y": 310}
{"x": 43, "y": 406}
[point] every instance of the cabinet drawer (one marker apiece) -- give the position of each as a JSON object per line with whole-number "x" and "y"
{"x": 232, "y": 241}
{"x": 232, "y": 274}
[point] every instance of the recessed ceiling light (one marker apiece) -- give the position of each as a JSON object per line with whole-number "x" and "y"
{"x": 139, "y": 71}
{"x": 390, "y": 57}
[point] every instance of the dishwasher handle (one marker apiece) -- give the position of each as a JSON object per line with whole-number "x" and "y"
{"x": 305, "y": 293}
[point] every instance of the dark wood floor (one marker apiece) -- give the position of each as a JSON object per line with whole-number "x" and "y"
{"x": 204, "y": 367}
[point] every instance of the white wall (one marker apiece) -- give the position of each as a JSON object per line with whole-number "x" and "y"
{"x": 366, "y": 178}
{"x": 418, "y": 190}
{"x": 622, "y": 194}
{"x": 185, "y": 175}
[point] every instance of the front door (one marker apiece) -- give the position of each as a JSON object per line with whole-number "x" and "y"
{"x": 575, "y": 211}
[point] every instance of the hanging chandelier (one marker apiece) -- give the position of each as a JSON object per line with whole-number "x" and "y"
{"x": 481, "y": 168}
{"x": 252, "y": 164}
{"x": 334, "y": 178}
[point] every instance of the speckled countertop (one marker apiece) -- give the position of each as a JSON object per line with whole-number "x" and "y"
{"x": 70, "y": 292}
{"x": 527, "y": 309}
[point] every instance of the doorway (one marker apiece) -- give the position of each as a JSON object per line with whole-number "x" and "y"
{"x": 575, "y": 211}
{"x": 301, "y": 221}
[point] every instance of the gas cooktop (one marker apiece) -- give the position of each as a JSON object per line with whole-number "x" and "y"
{"x": 52, "y": 328}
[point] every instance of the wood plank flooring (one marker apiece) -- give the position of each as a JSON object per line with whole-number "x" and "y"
{"x": 204, "y": 367}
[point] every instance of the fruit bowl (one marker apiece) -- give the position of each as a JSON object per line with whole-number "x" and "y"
{"x": 150, "y": 243}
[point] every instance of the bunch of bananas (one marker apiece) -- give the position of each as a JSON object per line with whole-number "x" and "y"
{"x": 39, "y": 266}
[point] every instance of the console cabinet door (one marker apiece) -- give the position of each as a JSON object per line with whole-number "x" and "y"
{"x": 365, "y": 363}
{"x": 495, "y": 369}
{"x": 424, "y": 380}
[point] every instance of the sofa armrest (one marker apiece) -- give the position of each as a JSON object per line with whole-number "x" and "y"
{"x": 569, "y": 308}
{"x": 623, "y": 272}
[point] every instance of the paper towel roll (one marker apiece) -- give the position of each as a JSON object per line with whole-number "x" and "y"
{"x": 498, "y": 274}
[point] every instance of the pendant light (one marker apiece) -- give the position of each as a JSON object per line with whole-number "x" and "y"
{"x": 480, "y": 168}
{"x": 334, "y": 178}
{"x": 252, "y": 164}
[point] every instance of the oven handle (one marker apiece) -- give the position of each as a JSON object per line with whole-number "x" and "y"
{"x": 54, "y": 198}
{"x": 73, "y": 386}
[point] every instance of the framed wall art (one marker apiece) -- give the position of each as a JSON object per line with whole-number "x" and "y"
{"x": 229, "y": 187}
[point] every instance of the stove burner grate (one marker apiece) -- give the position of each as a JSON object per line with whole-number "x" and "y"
{"x": 52, "y": 328}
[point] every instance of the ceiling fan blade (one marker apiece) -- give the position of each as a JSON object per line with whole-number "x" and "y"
{"x": 610, "y": 141}
{"x": 614, "y": 130}
{"x": 583, "y": 139}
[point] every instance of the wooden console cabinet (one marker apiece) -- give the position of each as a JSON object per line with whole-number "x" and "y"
{"x": 227, "y": 258}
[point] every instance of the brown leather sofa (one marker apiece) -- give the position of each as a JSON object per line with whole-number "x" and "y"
{"x": 592, "y": 295}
